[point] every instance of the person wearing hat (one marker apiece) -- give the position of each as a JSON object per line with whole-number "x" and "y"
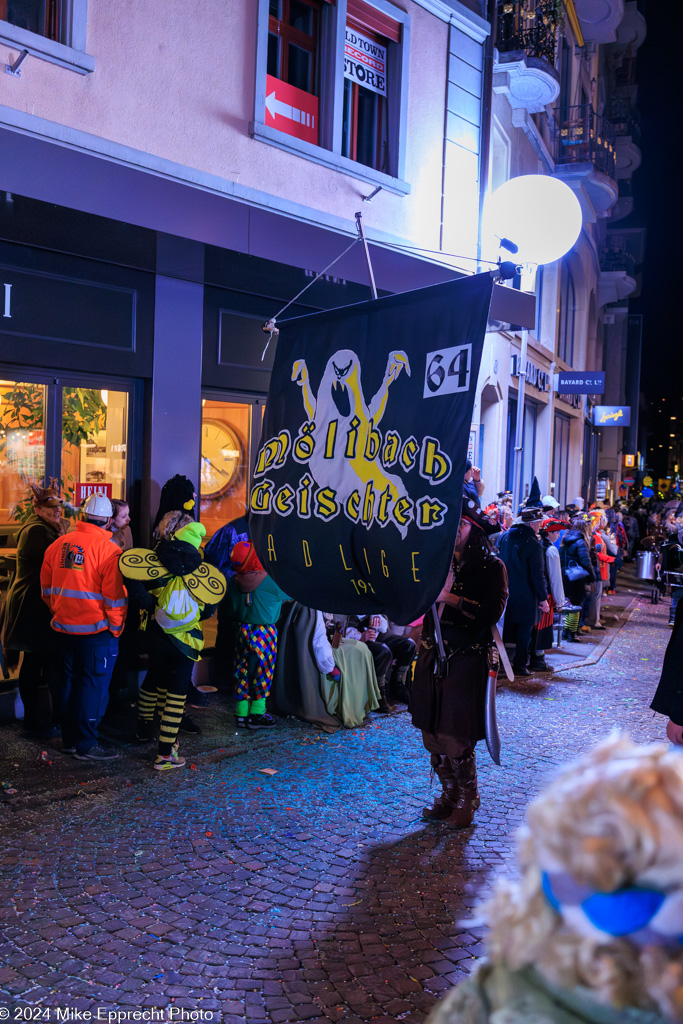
{"x": 521, "y": 551}
{"x": 254, "y": 601}
{"x": 177, "y": 590}
{"x": 449, "y": 708}
{"x": 83, "y": 588}
{"x": 26, "y": 625}
{"x": 578, "y": 572}
{"x": 604, "y": 559}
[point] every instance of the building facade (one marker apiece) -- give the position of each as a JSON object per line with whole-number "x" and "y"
{"x": 164, "y": 193}
{"x": 555, "y": 100}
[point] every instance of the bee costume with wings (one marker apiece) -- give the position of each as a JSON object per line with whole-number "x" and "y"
{"x": 176, "y": 589}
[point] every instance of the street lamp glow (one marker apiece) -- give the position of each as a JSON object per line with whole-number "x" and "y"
{"x": 540, "y": 214}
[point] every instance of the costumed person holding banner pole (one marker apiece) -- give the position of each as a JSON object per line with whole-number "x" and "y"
{"x": 448, "y": 699}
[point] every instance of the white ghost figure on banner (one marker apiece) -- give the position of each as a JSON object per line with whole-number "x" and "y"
{"x": 348, "y": 445}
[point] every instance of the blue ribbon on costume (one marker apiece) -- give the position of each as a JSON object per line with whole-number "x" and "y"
{"x": 627, "y": 912}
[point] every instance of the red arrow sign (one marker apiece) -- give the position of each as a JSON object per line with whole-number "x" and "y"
{"x": 291, "y": 110}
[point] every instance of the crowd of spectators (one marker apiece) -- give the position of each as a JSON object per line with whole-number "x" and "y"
{"x": 85, "y": 605}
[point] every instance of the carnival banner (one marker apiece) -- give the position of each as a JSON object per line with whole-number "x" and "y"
{"x": 358, "y": 480}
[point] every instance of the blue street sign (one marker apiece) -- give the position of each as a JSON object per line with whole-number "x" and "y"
{"x": 611, "y": 415}
{"x": 581, "y": 382}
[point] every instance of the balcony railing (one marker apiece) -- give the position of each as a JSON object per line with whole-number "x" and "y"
{"x": 529, "y": 26}
{"x": 585, "y": 137}
{"x": 621, "y": 113}
{"x": 614, "y": 260}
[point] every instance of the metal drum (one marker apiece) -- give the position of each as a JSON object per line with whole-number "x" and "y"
{"x": 646, "y": 565}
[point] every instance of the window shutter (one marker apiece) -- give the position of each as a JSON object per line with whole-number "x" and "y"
{"x": 370, "y": 18}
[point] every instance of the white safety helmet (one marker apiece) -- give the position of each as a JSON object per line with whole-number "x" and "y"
{"x": 98, "y": 505}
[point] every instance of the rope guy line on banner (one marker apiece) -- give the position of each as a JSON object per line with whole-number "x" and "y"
{"x": 270, "y": 326}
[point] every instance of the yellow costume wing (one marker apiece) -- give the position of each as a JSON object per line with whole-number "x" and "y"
{"x": 141, "y": 564}
{"x": 206, "y": 584}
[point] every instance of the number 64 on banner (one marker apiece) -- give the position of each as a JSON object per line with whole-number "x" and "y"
{"x": 448, "y": 371}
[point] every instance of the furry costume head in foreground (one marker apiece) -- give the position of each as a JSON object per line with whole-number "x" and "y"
{"x": 600, "y": 903}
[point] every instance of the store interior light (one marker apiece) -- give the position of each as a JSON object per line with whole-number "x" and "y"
{"x": 537, "y": 213}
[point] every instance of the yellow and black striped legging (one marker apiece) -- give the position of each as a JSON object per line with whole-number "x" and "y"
{"x": 571, "y": 622}
{"x": 165, "y": 687}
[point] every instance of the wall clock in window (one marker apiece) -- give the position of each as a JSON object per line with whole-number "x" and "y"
{"x": 221, "y": 458}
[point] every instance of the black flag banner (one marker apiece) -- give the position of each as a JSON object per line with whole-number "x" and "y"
{"x": 358, "y": 481}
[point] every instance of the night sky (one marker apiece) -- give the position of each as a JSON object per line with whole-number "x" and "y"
{"x": 657, "y": 187}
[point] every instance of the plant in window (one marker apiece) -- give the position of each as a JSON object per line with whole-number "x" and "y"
{"x": 84, "y": 415}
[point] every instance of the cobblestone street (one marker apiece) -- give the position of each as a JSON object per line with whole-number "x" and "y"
{"x": 315, "y": 893}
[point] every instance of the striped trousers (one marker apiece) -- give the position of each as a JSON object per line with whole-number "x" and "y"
{"x": 165, "y": 688}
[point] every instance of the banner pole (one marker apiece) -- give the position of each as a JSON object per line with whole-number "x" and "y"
{"x": 361, "y": 235}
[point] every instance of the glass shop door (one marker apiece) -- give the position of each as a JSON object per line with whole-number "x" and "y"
{"x": 231, "y": 431}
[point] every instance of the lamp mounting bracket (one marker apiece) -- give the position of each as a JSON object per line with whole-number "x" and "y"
{"x": 15, "y": 67}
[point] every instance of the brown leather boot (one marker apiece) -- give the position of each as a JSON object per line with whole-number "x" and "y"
{"x": 384, "y": 706}
{"x": 443, "y": 805}
{"x": 464, "y": 795}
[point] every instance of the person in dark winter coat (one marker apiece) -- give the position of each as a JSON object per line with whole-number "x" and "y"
{"x": 450, "y": 709}
{"x": 668, "y": 699}
{"x": 521, "y": 551}
{"x": 632, "y": 532}
{"x": 574, "y": 549}
{"x": 27, "y": 617}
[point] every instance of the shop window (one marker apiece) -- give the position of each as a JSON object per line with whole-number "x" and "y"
{"x": 226, "y": 457}
{"x": 51, "y": 30}
{"x": 369, "y": 36}
{"x": 22, "y": 447}
{"x": 86, "y": 449}
{"x": 293, "y": 42}
{"x": 94, "y": 443}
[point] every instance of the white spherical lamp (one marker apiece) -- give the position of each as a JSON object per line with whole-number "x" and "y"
{"x": 540, "y": 214}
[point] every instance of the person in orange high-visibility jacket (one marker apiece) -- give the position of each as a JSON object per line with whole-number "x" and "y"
{"x": 83, "y": 588}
